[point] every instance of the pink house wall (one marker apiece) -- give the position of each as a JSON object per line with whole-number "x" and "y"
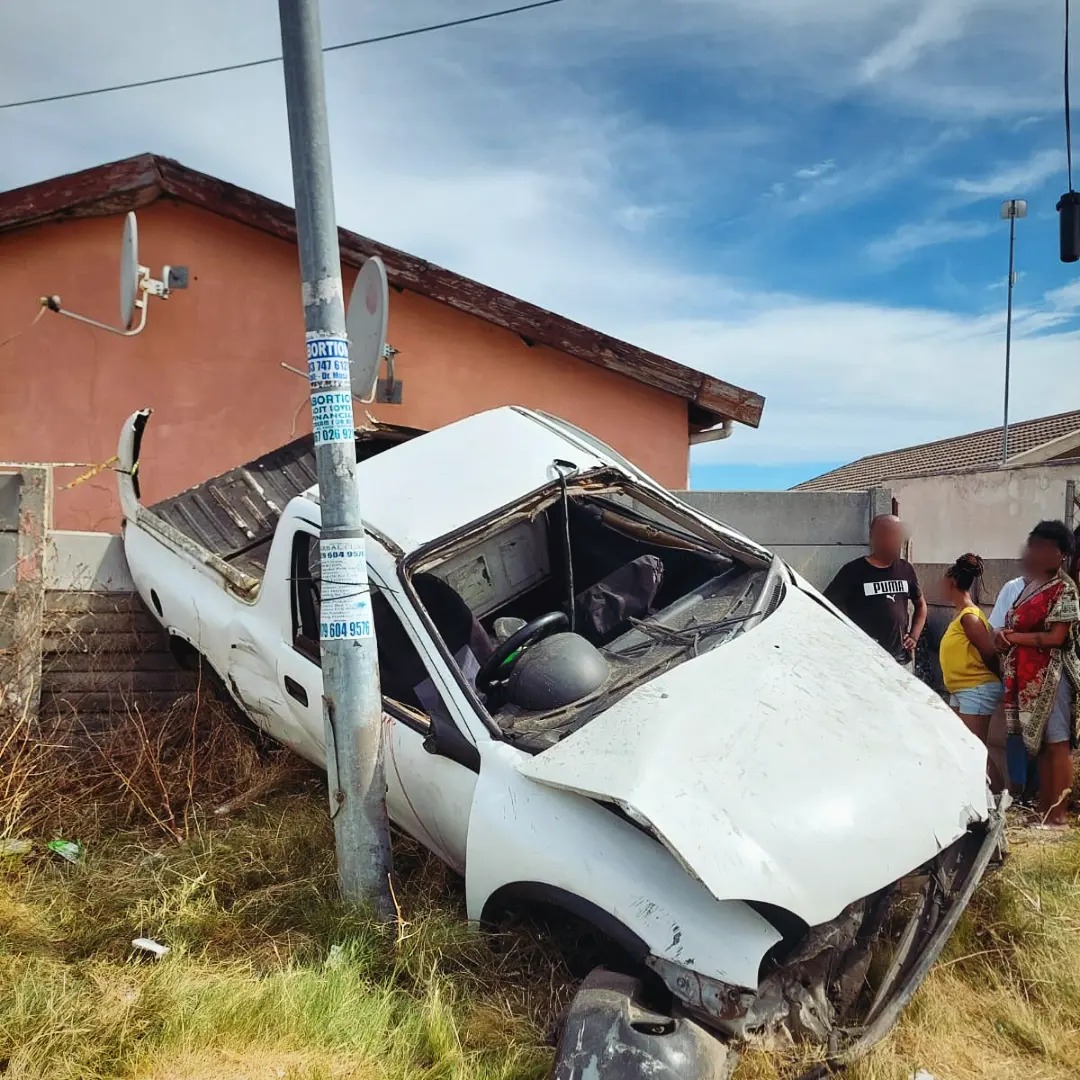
{"x": 209, "y": 362}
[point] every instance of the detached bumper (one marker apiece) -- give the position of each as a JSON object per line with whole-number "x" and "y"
{"x": 611, "y": 1034}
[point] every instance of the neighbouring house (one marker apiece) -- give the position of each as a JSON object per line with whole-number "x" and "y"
{"x": 210, "y": 357}
{"x": 956, "y": 496}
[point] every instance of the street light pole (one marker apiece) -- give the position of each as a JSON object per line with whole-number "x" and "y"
{"x": 1011, "y": 209}
{"x": 352, "y": 708}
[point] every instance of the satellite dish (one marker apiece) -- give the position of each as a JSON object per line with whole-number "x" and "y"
{"x": 129, "y": 270}
{"x": 137, "y": 285}
{"x": 365, "y": 323}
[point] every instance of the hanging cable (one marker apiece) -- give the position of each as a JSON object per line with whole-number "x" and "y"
{"x": 565, "y": 468}
{"x": 1068, "y": 112}
{"x": 276, "y": 59}
{"x": 29, "y": 326}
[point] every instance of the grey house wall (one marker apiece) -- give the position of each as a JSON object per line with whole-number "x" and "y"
{"x": 815, "y": 531}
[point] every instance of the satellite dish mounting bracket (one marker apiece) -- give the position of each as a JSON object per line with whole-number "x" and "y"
{"x": 387, "y": 391}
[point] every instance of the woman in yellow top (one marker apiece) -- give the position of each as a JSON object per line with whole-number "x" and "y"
{"x": 967, "y": 654}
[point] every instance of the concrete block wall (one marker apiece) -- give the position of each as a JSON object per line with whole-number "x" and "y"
{"x": 989, "y": 511}
{"x": 25, "y": 516}
{"x": 75, "y": 638}
{"x": 104, "y": 654}
{"x": 816, "y": 532}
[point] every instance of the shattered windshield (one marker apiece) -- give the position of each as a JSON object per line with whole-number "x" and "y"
{"x": 568, "y": 601}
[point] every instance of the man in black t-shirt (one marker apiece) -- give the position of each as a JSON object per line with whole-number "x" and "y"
{"x": 874, "y": 592}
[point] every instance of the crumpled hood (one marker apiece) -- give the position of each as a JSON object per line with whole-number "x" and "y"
{"x": 797, "y": 765}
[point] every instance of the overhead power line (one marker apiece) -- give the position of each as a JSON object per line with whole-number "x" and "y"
{"x": 277, "y": 59}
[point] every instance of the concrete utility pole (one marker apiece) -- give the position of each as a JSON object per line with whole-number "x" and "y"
{"x": 352, "y": 705}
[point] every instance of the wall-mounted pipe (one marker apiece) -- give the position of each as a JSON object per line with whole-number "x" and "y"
{"x": 713, "y": 434}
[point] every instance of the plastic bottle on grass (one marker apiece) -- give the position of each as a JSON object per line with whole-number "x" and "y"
{"x": 71, "y": 850}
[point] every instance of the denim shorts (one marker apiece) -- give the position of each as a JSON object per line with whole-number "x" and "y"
{"x": 978, "y": 700}
{"x": 1060, "y": 722}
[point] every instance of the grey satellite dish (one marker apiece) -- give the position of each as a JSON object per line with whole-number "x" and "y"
{"x": 365, "y": 322}
{"x": 129, "y": 270}
{"x": 137, "y": 284}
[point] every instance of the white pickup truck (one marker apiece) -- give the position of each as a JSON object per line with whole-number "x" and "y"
{"x": 600, "y": 702}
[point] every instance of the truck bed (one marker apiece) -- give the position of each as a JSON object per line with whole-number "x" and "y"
{"x": 234, "y": 515}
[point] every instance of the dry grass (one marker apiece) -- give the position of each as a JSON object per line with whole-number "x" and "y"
{"x": 199, "y": 838}
{"x": 136, "y": 770}
{"x": 270, "y": 976}
{"x": 267, "y": 970}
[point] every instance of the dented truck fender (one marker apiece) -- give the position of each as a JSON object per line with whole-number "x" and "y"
{"x": 524, "y": 832}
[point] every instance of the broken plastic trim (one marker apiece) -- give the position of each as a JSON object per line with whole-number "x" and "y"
{"x": 127, "y": 461}
{"x": 611, "y": 1031}
{"x": 908, "y": 976}
{"x": 745, "y": 1016}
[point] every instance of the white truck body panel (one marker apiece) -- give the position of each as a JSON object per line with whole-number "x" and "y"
{"x": 760, "y": 764}
{"x": 795, "y": 765}
{"x": 460, "y": 473}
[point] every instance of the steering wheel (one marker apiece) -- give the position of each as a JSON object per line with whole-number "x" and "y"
{"x": 531, "y": 632}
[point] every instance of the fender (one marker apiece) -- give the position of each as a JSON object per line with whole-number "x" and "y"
{"x": 569, "y": 849}
{"x": 542, "y": 895}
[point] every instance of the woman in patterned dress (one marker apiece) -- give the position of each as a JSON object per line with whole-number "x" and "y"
{"x": 1041, "y": 666}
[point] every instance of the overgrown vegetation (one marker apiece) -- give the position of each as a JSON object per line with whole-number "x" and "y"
{"x": 268, "y": 975}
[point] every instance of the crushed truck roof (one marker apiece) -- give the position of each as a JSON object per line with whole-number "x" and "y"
{"x": 429, "y": 485}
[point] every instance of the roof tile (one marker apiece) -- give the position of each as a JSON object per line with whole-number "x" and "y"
{"x": 980, "y": 448}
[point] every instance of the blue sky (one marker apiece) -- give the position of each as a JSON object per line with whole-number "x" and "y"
{"x": 800, "y": 196}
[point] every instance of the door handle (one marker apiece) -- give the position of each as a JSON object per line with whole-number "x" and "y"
{"x": 296, "y": 690}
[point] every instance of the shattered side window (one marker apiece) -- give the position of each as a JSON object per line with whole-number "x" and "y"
{"x": 403, "y": 675}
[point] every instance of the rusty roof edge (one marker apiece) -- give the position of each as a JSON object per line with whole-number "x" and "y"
{"x": 138, "y": 181}
{"x": 723, "y": 399}
{"x": 105, "y": 189}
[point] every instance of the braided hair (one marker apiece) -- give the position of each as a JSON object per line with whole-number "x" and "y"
{"x": 965, "y": 571}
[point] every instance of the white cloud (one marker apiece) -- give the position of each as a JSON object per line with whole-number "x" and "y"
{"x": 938, "y": 23}
{"x": 1067, "y": 298}
{"x": 910, "y": 239}
{"x": 1018, "y": 275}
{"x": 843, "y": 380}
{"x": 814, "y": 172}
{"x": 1014, "y": 180}
{"x": 872, "y": 173}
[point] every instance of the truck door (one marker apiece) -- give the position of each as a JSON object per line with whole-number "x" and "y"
{"x": 428, "y": 795}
